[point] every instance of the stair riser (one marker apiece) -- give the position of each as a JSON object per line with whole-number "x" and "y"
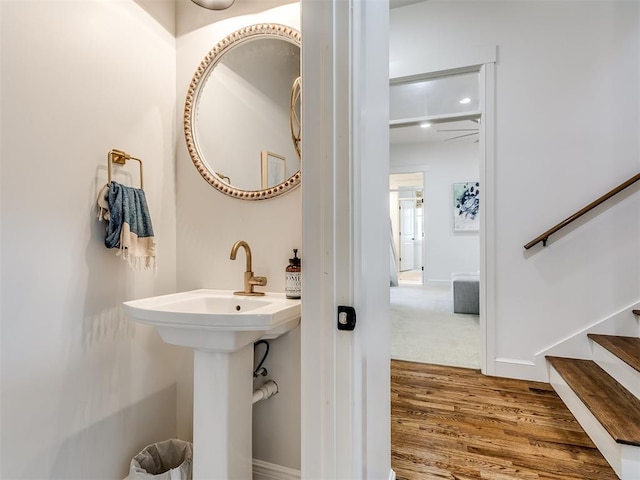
{"x": 625, "y": 375}
{"x": 624, "y": 459}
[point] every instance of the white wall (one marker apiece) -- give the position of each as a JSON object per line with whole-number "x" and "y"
{"x": 443, "y": 165}
{"x": 83, "y": 388}
{"x": 209, "y": 223}
{"x": 567, "y": 127}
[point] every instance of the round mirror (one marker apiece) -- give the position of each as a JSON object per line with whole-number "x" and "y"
{"x": 241, "y": 110}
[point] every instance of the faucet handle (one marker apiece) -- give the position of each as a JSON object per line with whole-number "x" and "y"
{"x": 261, "y": 281}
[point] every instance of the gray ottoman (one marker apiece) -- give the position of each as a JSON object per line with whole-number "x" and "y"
{"x": 466, "y": 293}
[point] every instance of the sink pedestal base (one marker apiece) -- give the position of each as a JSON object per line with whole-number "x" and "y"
{"x": 221, "y": 328}
{"x": 222, "y": 412}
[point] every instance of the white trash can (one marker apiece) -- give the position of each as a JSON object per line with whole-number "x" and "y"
{"x": 168, "y": 460}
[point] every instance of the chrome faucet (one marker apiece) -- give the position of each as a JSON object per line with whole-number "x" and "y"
{"x": 249, "y": 279}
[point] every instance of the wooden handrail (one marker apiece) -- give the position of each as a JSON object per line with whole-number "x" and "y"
{"x": 545, "y": 236}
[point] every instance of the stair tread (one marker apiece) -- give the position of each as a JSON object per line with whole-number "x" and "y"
{"x": 614, "y": 406}
{"x": 625, "y": 348}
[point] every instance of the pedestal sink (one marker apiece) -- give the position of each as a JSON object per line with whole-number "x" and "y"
{"x": 221, "y": 328}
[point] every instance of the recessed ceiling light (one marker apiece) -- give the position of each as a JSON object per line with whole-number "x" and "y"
{"x": 425, "y": 125}
{"x": 465, "y": 100}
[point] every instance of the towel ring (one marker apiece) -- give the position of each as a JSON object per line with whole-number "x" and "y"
{"x": 120, "y": 157}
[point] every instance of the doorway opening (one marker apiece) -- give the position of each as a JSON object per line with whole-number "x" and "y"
{"x": 407, "y": 226}
{"x": 436, "y": 139}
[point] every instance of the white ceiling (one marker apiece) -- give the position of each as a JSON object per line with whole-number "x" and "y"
{"x": 437, "y": 132}
{"x": 436, "y": 101}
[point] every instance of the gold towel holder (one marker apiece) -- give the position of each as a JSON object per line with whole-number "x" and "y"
{"x": 120, "y": 157}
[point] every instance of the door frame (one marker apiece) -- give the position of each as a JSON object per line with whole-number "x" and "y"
{"x": 400, "y": 169}
{"x": 486, "y": 137}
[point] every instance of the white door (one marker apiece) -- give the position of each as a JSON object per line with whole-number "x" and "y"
{"x": 345, "y": 374}
{"x": 407, "y": 234}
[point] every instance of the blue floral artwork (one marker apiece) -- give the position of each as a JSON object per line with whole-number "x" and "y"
{"x": 466, "y": 207}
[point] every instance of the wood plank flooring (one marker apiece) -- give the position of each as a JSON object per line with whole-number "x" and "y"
{"x": 454, "y": 423}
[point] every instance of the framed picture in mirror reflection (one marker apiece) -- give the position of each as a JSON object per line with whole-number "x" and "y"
{"x": 273, "y": 169}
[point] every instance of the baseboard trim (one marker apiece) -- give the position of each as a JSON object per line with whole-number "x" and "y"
{"x": 270, "y": 471}
{"x": 514, "y": 368}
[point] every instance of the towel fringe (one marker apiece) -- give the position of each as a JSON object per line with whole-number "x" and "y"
{"x": 137, "y": 263}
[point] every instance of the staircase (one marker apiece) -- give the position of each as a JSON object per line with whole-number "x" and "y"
{"x": 603, "y": 393}
{"x": 604, "y": 396}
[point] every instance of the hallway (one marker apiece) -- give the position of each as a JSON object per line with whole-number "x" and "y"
{"x": 424, "y": 328}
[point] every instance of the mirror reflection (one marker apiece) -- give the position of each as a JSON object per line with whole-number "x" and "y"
{"x": 239, "y": 128}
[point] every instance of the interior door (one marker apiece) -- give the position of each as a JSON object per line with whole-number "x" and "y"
{"x": 345, "y": 217}
{"x": 407, "y": 234}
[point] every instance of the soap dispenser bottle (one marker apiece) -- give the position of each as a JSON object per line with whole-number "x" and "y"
{"x": 292, "y": 284}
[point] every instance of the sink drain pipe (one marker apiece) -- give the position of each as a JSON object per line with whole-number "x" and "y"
{"x": 267, "y": 390}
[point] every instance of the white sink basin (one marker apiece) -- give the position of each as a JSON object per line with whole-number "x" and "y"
{"x": 216, "y": 320}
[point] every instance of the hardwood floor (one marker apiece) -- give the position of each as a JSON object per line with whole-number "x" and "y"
{"x": 454, "y": 423}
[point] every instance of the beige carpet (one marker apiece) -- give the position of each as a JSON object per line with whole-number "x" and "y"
{"x": 424, "y": 328}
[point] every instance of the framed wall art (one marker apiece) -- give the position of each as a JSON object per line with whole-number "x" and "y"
{"x": 273, "y": 169}
{"x": 466, "y": 207}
